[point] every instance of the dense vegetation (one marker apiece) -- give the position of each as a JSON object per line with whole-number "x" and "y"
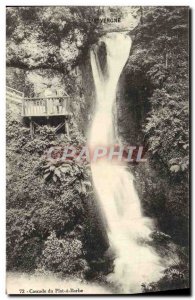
{"x": 160, "y": 58}
{"x": 47, "y": 215}
{"x": 44, "y": 202}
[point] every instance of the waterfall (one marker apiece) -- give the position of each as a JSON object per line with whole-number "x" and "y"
{"x": 128, "y": 230}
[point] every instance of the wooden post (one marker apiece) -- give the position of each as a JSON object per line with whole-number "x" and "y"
{"x": 48, "y": 122}
{"x": 31, "y": 128}
{"x": 46, "y": 107}
{"x": 23, "y": 107}
{"x": 67, "y": 128}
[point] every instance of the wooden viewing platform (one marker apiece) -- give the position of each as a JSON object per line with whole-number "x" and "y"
{"x": 46, "y": 107}
{"x": 55, "y": 109}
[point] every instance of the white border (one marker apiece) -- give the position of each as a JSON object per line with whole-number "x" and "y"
{"x": 98, "y": 2}
{"x": 4, "y": 3}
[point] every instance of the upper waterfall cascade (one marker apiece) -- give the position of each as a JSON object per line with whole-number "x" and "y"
{"x": 135, "y": 262}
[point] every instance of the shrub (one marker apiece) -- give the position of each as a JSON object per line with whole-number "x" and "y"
{"x": 64, "y": 256}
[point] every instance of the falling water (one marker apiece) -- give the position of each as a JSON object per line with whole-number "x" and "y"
{"x": 128, "y": 230}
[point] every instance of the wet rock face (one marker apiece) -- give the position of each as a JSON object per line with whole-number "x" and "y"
{"x": 132, "y": 107}
{"x": 88, "y": 94}
{"x": 102, "y": 58}
{"x": 15, "y": 78}
{"x": 125, "y": 18}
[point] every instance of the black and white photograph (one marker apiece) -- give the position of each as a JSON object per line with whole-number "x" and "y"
{"x": 97, "y": 150}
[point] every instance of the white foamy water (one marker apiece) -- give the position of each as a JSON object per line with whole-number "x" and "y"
{"x": 135, "y": 262}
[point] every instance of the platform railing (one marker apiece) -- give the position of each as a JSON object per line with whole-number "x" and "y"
{"x": 50, "y": 106}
